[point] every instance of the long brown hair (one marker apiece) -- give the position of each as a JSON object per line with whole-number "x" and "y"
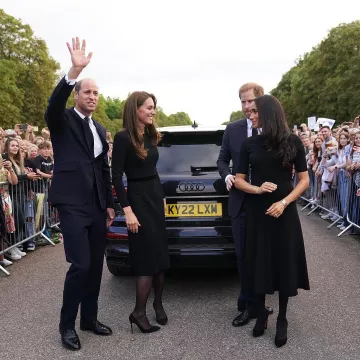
{"x": 17, "y": 160}
{"x": 315, "y": 149}
{"x": 347, "y": 136}
{"x": 130, "y": 122}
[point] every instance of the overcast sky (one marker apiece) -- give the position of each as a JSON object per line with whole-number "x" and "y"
{"x": 192, "y": 54}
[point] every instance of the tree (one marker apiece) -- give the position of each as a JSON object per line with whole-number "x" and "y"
{"x": 324, "y": 82}
{"x": 28, "y": 58}
{"x": 235, "y": 115}
{"x": 28, "y": 76}
{"x": 115, "y": 108}
{"x": 180, "y": 118}
{"x": 11, "y": 97}
{"x": 160, "y": 117}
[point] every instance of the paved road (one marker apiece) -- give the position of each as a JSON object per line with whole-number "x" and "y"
{"x": 324, "y": 323}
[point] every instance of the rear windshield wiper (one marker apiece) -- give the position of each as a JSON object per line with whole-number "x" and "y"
{"x": 202, "y": 168}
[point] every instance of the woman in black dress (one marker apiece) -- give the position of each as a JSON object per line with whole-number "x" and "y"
{"x": 274, "y": 249}
{"x": 136, "y": 154}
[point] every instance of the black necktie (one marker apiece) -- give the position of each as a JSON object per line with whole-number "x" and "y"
{"x": 254, "y": 132}
{"x": 89, "y": 135}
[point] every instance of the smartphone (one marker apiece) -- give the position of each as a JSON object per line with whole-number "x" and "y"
{"x": 23, "y": 127}
{"x": 295, "y": 127}
{"x": 35, "y": 128}
{"x": 5, "y": 156}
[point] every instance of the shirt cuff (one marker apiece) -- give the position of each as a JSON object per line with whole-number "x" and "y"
{"x": 70, "y": 81}
{"x": 226, "y": 179}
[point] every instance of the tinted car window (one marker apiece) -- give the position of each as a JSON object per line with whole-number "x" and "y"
{"x": 180, "y": 152}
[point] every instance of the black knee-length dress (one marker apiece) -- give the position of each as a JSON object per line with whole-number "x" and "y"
{"x": 148, "y": 248}
{"x": 274, "y": 254}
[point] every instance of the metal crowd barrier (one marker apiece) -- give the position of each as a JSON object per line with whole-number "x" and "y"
{"x": 26, "y": 213}
{"x": 339, "y": 200}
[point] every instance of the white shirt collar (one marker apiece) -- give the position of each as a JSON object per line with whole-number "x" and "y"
{"x": 249, "y": 123}
{"x": 82, "y": 115}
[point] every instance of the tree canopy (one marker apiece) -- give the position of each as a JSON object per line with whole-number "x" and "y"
{"x": 324, "y": 82}
{"x": 29, "y": 74}
{"x": 235, "y": 115}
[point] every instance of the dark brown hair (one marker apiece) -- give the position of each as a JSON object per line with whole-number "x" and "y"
{"x": 275, "y": 129}
{"x": 130, "y": 122}
{"x": 315, "y": 149}
{"x": 346, "y": 134}
{"x": 258, "y": 90}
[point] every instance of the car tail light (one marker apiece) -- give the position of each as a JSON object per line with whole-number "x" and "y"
{"x": 115, "y": 236}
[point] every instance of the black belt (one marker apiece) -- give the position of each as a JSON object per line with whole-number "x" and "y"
{"x": 152, "y": 177}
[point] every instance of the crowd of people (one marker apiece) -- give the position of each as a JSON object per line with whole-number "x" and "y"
{"x": 333, "y": 159}
{"x": 26, "y": 167}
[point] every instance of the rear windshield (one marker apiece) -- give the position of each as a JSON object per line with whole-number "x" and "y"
{"x": 182, "y": 152}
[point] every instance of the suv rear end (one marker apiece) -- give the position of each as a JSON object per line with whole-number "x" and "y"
{"x": 197, "y": 220}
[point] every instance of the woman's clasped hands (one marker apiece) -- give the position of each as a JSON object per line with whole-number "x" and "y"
{"x": 276, "y": 209}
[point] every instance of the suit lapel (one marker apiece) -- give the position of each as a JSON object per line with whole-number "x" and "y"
{"x": 242, "y": 130}
{"x": 81, "y": 128}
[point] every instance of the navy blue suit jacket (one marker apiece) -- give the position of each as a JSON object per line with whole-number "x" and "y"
{"x": 234, "y": 135}
{"x": 76, "y": 171}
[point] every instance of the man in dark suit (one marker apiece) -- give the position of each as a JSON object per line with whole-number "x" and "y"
{"x": 235, "y": 133}
{"x": 81, "y": 191}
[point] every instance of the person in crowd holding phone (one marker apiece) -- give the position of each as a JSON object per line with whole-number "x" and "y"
{"x": 274, "y": 248}
{"x": 7, "y": 174}
{"x": 305, "y": 130}
{"x": 19, "y": 191}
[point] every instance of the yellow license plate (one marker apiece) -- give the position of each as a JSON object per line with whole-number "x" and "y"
{"x": 193, "y": 210}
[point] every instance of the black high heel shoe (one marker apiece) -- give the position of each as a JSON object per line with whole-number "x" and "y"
{"x": 281, "y": 332}
{"x": 134, "y": 320}
{"x": 261, "y": 323}
{"x": 161, "y": 319}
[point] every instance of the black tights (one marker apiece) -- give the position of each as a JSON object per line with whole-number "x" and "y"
{"x": 143, "y": 288}
{"x": 283, "y": 303}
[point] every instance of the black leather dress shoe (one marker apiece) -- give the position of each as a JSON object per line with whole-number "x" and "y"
{"x": 97, "y": 328}
{"x": 243, "y": 319}
{"x": 70, "y": 340}
{"x": 269, "y": 310}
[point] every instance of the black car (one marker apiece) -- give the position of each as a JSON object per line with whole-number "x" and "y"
{"x": 197, "y": 221}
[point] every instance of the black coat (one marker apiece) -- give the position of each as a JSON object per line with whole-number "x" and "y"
{"x": 235, "y": 134}
{"x": 76, "y": 171}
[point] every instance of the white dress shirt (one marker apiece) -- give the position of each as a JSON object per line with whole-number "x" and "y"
{"x": 98, "y": 147}
{"x": 249, "y": 128}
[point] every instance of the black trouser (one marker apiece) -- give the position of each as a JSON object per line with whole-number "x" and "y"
{"x": 83, "y": 229}
{"x": 239, "y": 234}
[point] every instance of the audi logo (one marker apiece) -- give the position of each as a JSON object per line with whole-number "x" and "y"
{"x": 192, "y": 186}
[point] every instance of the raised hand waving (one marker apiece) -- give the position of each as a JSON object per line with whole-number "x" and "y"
{"x": 78, "y": 55}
